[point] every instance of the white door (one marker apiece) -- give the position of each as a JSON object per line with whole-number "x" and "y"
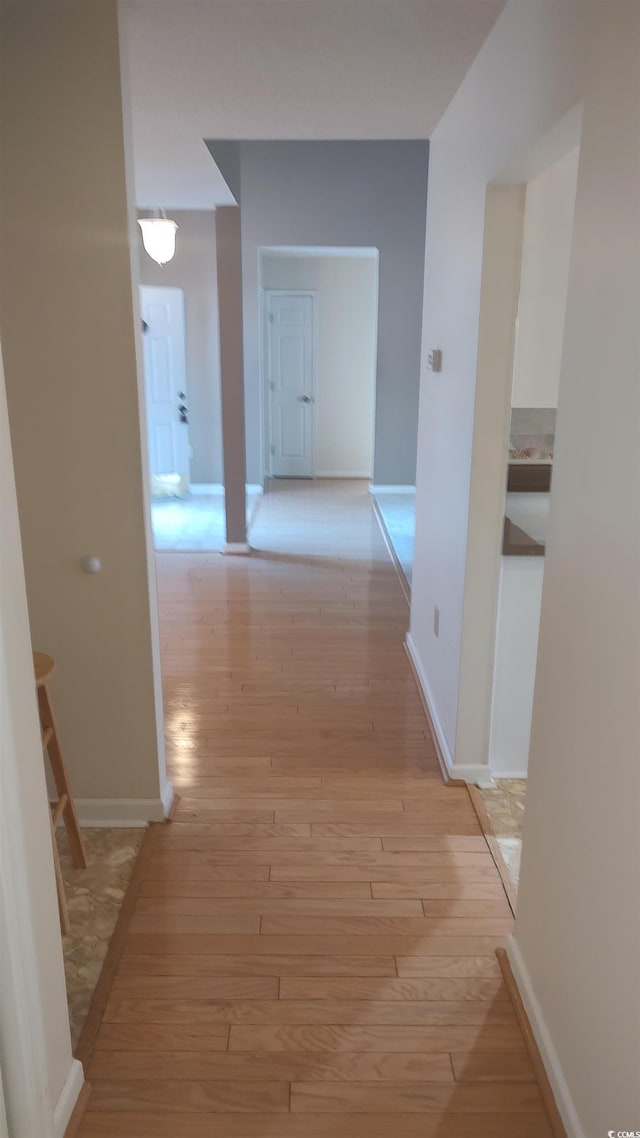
{"x": 165, "y": 387}
{"x": 290, "y": 383}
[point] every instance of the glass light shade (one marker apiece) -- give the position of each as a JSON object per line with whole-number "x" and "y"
{"x": 158, "y": 237}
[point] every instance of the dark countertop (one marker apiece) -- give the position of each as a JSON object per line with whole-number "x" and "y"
{"x": 517, "y": 543}
{"x": 535, "y": 477}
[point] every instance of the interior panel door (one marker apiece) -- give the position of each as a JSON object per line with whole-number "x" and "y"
{"x": 290, "y": 384}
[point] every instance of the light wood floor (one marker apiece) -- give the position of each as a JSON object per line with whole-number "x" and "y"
{"x": 311, "y": 952}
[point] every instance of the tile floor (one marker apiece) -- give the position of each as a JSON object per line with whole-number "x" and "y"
{"x": 94, "y": 897}
{"x": 505, "y": 805}
{"x": 193, "y": 523}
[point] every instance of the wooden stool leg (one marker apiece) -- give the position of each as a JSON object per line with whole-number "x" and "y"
{"x": 65, "y": 923}
{"x": 60, "y": 778}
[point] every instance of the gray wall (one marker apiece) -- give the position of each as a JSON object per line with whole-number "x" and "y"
{"x": 193, "y": 269}
{"x": 343, "y": 194}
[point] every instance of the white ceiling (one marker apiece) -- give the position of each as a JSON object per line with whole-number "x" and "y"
{"x": 285, "y": 69}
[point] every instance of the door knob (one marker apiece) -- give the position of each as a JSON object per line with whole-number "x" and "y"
{"x": 305, "y": 399}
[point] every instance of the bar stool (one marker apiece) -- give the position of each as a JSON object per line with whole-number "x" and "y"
{"x": 64, "y": 808}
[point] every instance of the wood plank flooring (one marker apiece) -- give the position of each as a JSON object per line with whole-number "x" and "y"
{"x": 312, "y": 948}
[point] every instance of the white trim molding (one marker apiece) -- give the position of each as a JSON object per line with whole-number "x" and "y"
{"x": 402, "y": 580}
{"x": 167, "y": 796}
{"x": 236, "y": 549}
{"x": 35, "y": 1043}
{"x": 124, "y": 813}
{"x": 548, "y": 1053}
{"x": 362, "y": 475}
{"x": 206, "y": 488}
{"x": 218, "y": 488}
{"x": 373, "y": 489}
{"x": 68, "y": 1097}
{"x": 468, "y": 772}
{"x": 427, "y": 696}
{"x": 487, "y": 781}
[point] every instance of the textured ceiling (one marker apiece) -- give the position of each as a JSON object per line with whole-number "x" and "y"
{"x": 285, "y": 69}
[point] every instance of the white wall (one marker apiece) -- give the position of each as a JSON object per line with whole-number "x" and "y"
{"x": 447, "y": 446}
{"x": 346, "y": 313}
{"x": 35, "y": 1045}
{"x": 193, "y": 269}
{"x": 496, "y": 118}
{"x": 577, "y": 927}
{"x": 546, "y": 248}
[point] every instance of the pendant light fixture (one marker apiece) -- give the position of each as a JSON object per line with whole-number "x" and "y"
{"x": 159, "y": 236}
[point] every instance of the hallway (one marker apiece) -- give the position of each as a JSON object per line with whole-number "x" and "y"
{"x": 313, "y": 935}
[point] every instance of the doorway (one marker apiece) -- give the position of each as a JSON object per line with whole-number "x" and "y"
{"x": 290, "y": 365}
{"x": 165, "y": 374}
{"x": 186, "y": 515}
{"x": 319, "y": 359}
{"x": 540, "y": 251}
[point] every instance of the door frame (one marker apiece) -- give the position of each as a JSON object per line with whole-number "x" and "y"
{"x": 28, "y": 909}
{"x": 265, "y": 346}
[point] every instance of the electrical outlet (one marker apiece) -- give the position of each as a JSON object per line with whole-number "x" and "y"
{"x": 436, "y": 621}
{"x": 434, "y": 359}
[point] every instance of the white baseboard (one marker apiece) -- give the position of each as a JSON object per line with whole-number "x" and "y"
{"x": 548, "y": 1053}
{"x": 237, "y": 548}
{"x": 373, "y": 489}
{"x": 68, "y": 1097}
{"x": 402, "y": 580}
{"x": 124, "y": 813}
{"x": 482, "y": 778}
{"x": 468, "y": 772}
{"x": 218, "y": 488}
{"x": 167, "y": 797}
{"x": 206, "y": 488}
{"x": 427, "y": 695}
{"x": 517, "y": 773}
{"x": 360, "y": 474}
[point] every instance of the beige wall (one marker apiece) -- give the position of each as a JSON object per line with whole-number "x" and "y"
{"x": 193, "y": 269}
{"x": 229, "y": 270}
{"x": 70, "y": 340}
{"x": 546, "y": 248}
{"x": 577, "y": 945}
{"x": 346, "y": 313}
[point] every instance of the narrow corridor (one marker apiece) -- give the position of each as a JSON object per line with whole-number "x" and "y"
{"x": 311, "y": 946}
